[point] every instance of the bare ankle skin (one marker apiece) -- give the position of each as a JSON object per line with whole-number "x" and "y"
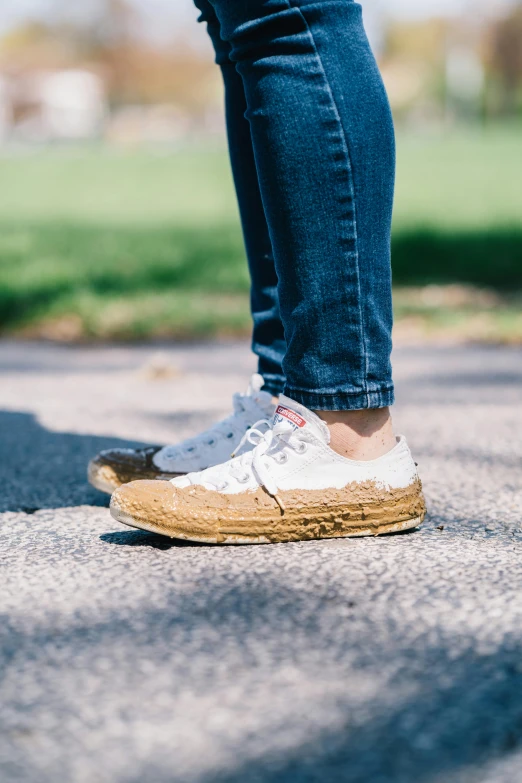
{"x": 360, "y": 435}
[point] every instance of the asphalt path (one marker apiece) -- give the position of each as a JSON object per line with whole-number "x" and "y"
{"x": 129, "y": 658}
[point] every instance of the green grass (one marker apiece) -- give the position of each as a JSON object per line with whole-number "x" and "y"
{"x": 460, "y": 181}
{"x": 122, "y": 282}
{"x": 101, "y": 244}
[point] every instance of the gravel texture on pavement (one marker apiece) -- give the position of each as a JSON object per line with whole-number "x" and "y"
{"x": 129, "y": 658}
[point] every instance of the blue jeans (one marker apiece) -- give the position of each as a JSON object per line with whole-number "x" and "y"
{"x": 313, "y": 156}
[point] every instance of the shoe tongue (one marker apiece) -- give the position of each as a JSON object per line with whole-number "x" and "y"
{"x": 262, "y": 398}
{"x": 302, "y": 419}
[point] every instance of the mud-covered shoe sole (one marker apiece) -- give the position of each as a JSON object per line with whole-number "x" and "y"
{"x": 206, "y": 516}
{"x": 230, "y": 539}
{"x": 105, "y": 477}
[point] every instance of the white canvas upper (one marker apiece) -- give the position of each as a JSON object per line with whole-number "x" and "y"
{"x": 292, "y": 452}
{"x": 216, "y": 444}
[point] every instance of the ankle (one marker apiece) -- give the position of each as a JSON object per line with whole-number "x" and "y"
{"x": 362, "y": 434}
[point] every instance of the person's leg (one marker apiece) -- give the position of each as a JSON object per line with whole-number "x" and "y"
{"x": 324, "y": 148}
{"x": 268, "y": 341}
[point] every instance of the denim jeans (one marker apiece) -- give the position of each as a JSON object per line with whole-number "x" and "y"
{"x": 313, "y": 156}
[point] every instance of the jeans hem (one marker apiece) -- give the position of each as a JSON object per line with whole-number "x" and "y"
{"x": 341, "y": 400}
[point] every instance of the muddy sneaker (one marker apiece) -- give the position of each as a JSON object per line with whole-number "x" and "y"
{"x": 112, "y": 468}
{"x": 290, "y": 487}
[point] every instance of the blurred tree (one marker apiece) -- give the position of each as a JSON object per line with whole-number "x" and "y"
{"x": 109, "y": 40}
{"x": 505, "y": 60}
{"x": 422, "y": 40}
{"x": 35, "y": 45}
{"x": 413, "y": 65}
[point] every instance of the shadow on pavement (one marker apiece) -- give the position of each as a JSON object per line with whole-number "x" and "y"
{"x": 443, "y": 716}
{"x": 141, "y": 538}
{"x": 42, "y": 469}
{"x": 155, "y": 541}
{"x": 444, "y": 707}
{"x": 445, "y": 731}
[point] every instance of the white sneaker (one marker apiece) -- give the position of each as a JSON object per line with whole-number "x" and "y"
{"x": 114, "y": 467}
{"x": 292, "y": 486}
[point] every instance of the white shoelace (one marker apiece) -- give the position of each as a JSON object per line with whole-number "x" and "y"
{"x": 252, "y": 462}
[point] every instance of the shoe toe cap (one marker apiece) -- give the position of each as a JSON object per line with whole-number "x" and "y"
{"x": 150, "y": 502}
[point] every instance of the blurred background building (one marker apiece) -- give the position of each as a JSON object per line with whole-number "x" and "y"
{"x": 141, "y": 70}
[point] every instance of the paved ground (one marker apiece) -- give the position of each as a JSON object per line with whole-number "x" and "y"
{"x": 126, "y": 658}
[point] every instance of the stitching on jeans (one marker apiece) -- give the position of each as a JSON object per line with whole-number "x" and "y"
{"x": 320, "y": 393}
{"x": 324, "y": 401}
{"x": 291, "y": 4}
{"x": 342, "y": 402}
{"x": 309, "y": 399}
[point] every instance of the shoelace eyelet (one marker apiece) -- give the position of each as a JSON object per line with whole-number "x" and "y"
{"x": 282, "y": 458}
{"x": 244, "y": 479}
{"x": 302, "y": 447}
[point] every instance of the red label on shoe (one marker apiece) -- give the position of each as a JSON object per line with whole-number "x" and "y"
{"x": 290, "y": 415}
